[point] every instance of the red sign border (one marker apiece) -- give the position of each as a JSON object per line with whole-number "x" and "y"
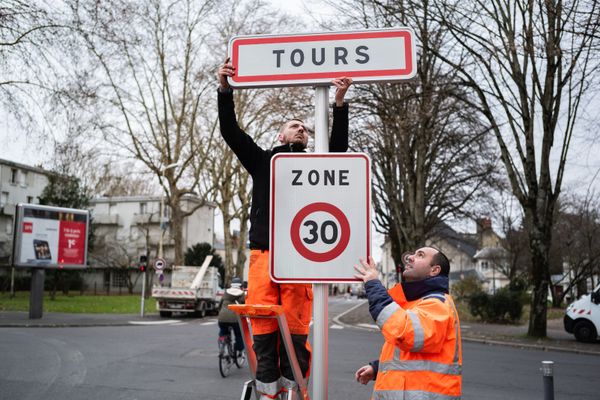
{"x": 405, "y": 33}
{"x": 344, "y": 229}
{"x": 272, "y": 222}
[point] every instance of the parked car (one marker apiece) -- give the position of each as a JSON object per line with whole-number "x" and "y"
{"x": 582, "y": 317}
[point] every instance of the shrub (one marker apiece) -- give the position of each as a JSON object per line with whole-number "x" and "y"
{"x": 466, "y": 288}
{"x": 504, "y": 306}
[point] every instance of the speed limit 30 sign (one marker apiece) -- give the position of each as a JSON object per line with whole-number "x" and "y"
{"x": 320, "y": 216}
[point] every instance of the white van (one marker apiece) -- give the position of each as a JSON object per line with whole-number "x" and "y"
{"x": 582, "y": 317}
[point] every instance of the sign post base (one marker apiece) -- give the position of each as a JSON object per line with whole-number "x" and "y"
{"x": 36, "y": 294}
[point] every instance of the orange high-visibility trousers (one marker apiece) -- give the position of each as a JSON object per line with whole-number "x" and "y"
{"x": 296, "y": 298}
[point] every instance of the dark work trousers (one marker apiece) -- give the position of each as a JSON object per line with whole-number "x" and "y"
{"x": 273, "y": 360}
{"x": 224, "y": 331}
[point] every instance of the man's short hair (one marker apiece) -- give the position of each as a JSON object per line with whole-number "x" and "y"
{"x": 288, "y": 121}
{"x": 440, "y": 259}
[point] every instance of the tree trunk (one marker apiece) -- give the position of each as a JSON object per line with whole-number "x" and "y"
{"x": 176, "y": 228}
{"x": 227, "y": 239}
{"x": 241, "y": 249}
{"x": 540, "y": 246}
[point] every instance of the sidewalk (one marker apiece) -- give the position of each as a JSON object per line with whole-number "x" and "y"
{"x": 495, "y": 334}
{"x": 13, "y": 319}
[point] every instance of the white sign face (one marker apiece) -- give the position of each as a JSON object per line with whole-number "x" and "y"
{"x": 159, "y": 264}
{"x": 320, "y": 216}
{"x": 384, "y": 55}
{"x": 51, "y": 237}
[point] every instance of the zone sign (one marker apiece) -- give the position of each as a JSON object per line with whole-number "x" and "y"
{"x": 320, "y": 216}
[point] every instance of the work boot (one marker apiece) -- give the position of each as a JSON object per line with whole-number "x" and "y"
{"x": 289, "y": 389}
{"x": 267, "y": 391}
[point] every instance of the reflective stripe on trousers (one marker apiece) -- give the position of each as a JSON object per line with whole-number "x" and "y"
{"x": 411, "y": 395}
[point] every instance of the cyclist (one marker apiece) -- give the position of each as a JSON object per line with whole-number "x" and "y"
{"x": 227, "y": 318}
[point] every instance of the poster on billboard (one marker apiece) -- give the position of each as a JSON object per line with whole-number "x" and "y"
{"x": 50, "y": 237}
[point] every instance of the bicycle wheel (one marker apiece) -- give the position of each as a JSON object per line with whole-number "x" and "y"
{"x": 225, "y": 360}
{"x": 225, "y": 364}
{"x": 240, "y": 359}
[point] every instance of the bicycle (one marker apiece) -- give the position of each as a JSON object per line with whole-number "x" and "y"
{"x": 228, "y": 356}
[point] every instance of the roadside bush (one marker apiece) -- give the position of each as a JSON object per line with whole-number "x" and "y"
{"x": 504, "y": 306}
{"x": 466, "y": 288}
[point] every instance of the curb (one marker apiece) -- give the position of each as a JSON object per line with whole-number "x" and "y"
{"x": 492, "y": 342}
{"x": 64, "y": 325}
{"x": 496, "y": 342}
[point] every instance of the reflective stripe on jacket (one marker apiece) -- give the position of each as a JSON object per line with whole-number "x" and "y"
{"x": 421, "y": 358}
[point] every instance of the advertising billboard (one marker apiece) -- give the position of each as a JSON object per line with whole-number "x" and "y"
{"x": 50, "y": 237}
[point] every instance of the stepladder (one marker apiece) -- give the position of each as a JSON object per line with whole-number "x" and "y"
{"x": 244, "y": 314}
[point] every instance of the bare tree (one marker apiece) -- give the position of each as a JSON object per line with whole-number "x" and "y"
{"x": 430, "y": 152}
{"x": 529, "y": 64}
{"x": 117, "y": 256}
{"x": 27, "y": 39}
{"x": 576, "y": 245}
{"x": 146, "y": 81}
{"x": 260, "y": 114}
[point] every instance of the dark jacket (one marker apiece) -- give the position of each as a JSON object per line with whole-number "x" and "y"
{"x": 257, "y": 161}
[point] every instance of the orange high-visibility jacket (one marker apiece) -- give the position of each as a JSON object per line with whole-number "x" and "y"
{"x": 422, "y": 354}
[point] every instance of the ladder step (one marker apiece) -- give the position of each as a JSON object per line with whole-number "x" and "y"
{"x": 258, "y": 310}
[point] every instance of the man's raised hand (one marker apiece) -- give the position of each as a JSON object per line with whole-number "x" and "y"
{"x": 225, "y": 70}
{"x": 342, "y": 84}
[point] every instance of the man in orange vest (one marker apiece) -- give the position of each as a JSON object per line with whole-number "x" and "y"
{"x": 422, "y": 354}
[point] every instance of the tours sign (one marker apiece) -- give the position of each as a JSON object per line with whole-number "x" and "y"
{"x": 51, "y": 237}
{"x": 320, "y": 216}
{"x": 383, "y": 55}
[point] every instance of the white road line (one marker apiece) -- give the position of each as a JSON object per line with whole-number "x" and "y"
{"x": 337, "y": 318}
{"x": 209, "y": 323}
{"x": 161, "y": 322}
{"x": 369, "y": 326}
{"x": 336, "y": 327}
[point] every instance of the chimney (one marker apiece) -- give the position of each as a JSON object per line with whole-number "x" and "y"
{"x": 484, "y": 224}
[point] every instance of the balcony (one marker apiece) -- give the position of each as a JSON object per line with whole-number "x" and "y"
{"x": 145, "y": 219}
{"x": 105, "y": 219}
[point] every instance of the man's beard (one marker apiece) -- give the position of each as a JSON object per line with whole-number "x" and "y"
{"x": 297, "y": 146}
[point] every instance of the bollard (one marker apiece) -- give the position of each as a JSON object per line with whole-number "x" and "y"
{"x": 548, "y": 376}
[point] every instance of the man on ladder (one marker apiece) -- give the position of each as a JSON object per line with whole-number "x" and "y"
{"x": 274, "y": 372}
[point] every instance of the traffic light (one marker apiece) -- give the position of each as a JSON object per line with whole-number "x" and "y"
{"x": 143, "y": 263}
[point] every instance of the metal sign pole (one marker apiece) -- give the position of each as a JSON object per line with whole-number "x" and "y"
{"x": 143, "y": 292}
{"x": 321, "y": 290}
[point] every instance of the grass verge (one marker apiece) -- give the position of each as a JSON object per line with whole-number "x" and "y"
{"x": 86, "y": 304}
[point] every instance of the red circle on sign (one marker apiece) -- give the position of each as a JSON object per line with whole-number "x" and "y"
{"x": 312, "y": 255}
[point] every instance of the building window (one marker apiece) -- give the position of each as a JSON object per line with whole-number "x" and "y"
{"x": 30, "y": 199}
{"x": 143, "y": 208}
{"x": 484, "y": 265}
{"x": 24, "y": 175}
{"x": 119, "y": 278}
{"x": 13, "y": 175}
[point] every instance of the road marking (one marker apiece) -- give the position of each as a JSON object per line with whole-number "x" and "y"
{"x": 337, "y": 318}
{"x": 369, "y": 326}
{"x": 334, "y": 326}
{"x": 209, "y": 323}
{"x": 161, "y": 322}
